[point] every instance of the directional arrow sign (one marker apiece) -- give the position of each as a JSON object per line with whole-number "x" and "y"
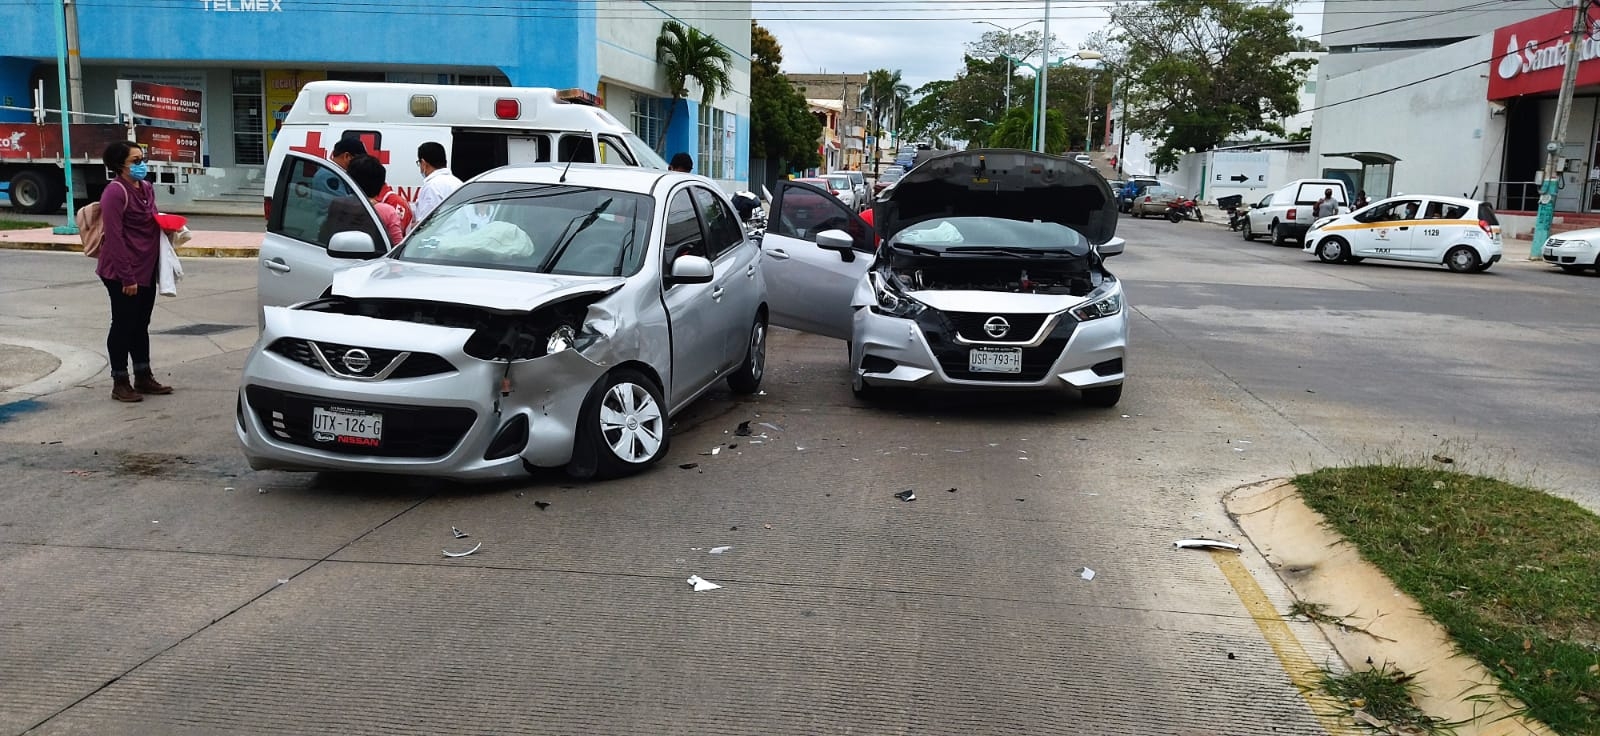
{"x": 1241, "y": 178}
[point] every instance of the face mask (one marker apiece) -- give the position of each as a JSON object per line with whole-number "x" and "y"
{"x": 139, "y": 170}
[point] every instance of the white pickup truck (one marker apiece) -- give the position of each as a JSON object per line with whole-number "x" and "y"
{"x": 1287, "y": 213}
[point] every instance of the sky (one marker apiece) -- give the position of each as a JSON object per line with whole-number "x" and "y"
{"x": 925, "y": 39}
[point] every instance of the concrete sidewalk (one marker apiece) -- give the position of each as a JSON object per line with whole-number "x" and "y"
{"x": 203, "y": 244}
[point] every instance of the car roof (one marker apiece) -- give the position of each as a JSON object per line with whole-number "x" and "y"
{"x": 1434, "y": 197}
{"x": 598, "y": 176}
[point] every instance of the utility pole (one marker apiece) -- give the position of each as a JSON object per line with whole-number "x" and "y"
{"x": 1551, "y": 185}
{"x": 1088, "y": 124}
{"x": 1044, "y": 85}
{"x": 74, "y": 60}
{"x": 70, "y": 228}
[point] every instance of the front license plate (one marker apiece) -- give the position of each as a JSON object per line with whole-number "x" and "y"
{"x": 995, "y": 360}
{"x": 346, "y": 426}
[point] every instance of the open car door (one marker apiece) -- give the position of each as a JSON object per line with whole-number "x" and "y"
{"x": 312, "y": 201}
{"x": 809, "y": 286}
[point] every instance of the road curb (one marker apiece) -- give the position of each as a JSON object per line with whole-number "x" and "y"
{"x": 183, "y": 251}
{"x": 77, "y": 366}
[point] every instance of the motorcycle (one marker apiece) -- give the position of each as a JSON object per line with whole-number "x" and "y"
{"x": 1234, "y": 205}
{"x": 1182, "y": 209}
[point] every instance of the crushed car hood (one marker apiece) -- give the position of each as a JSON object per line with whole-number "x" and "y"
{"x": 500, "y": 290}
{"x": 1001, "y": 182}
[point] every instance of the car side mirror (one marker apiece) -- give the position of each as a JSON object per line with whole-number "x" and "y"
{"x": 1112, "y": 247}
{"x": 838, "y": 241}
{"x": 691, "y": 270}
{"x": 352, "y": 244}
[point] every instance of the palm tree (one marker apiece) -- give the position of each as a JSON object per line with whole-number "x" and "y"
{"x": 886, "y": 92}
{"x": 688, "y": 54}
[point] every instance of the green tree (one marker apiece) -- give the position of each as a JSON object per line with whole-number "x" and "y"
{"x": 687, "y": 54}
{"x": 1016, "y": 131}
{"x": 1197, "y": 72}
{"x": 781, "y": 123}
{"x": 886, "y": 94}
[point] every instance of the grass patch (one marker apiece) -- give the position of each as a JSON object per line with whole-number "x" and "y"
{"x": 21, "y": 224}
{"x": 1511, "y": 572}
{"x": 1381, "y": 699}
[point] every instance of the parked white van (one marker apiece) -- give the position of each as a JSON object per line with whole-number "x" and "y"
{"x": 481, "y": 128}
{"x": 1287, "y": 213}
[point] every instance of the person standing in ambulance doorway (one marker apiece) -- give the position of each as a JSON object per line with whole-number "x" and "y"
{"x": 437, "y": 181}
{"x": 129, "y": 254}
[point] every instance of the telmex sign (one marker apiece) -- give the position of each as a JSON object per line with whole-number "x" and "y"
{"x": 1531, "y": 56}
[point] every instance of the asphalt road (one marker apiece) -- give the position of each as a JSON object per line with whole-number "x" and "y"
{"x": 151, "y": 583}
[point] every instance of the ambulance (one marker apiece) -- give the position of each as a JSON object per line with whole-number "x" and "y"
{"x": 481, "y": 128}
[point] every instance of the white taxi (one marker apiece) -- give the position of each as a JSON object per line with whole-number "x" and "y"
{"x": 1463, "y": 234}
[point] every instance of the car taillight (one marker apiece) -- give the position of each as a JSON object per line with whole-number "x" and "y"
{"x": 266, "y": 207}
{"x": 1484, "y": 226}
{"x": 337, "y": 104}
{"x": 1289, "y": 216}
{"x": 1147, "y": 198}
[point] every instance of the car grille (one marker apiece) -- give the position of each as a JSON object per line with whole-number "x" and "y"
{"x": 412, "y": 365}
{"x": 1024, "y": 327}
{"x": 408, "y": 430}
{"x": 954, "y": 358}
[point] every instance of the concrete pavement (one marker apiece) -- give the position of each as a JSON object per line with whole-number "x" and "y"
{"x": 146, "y": 594}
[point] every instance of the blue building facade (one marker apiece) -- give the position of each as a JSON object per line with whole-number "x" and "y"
{"x": 249, "y": 58}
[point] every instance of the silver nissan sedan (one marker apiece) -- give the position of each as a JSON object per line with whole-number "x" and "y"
{"x": 544, "y": 316}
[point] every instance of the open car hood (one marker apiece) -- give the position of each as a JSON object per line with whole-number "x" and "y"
{"x": 509, "y": 291}
{"x": 1000, "y": 182}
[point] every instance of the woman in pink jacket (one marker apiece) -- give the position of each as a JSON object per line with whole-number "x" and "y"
{"x": 129, "y": 256}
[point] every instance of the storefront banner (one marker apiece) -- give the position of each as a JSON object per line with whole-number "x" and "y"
{"x": 30, "y": 141}
{"x": 283, "y": 88}
{"x": 1531, "y": 56}
{"x": 165, "y": 102}
{"x": 169, "y": 144}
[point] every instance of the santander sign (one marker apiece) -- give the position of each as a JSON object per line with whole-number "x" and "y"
{"x": 1533, "y": 54}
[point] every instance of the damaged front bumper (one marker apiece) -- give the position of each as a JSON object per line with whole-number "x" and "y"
{"x": 452, "y": 422}
{"x": 939, "y": 350}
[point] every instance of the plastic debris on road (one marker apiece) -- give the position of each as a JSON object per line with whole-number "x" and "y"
{"x": 458, "y": 534}
{"x": 906, "y": 495}
{"x": 448, "y": 553}
{"x": 743, "y": 430}
{"x": 1086, "y": 574}
{"x": 1206, "y": 544}
{"x": 771, "y": 426}
{"x": 701, "y": 584}
{"x": 689, "y": 466}
{"x": 720, "y": 550}
{"x": 227, "y": 488}
{"x": 542, "y": 505}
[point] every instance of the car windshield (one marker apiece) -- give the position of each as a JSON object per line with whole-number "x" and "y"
{"x": 541, "y": 228}
{"x": 955, "y": 235}
{"x": 1160, "y": 192}
{"x": 891, "y": 175}
{"x": 648, "y": 158}
{"x": 839, "y": 182}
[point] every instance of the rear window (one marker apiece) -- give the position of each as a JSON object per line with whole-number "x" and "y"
{"x": 1486, "y": 213}
{"x": 1310, "y": 193}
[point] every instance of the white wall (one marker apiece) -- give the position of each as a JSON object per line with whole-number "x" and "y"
{"x": 1442, "y": 130}
{"x": 626, "y": 48}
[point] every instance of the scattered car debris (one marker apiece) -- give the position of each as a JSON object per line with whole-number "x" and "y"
{"x": 771, "y": 426}
{"x": 1086, "y": 574}
{"x": 261, "y": 490}
{"x": 458, "y": 534}
{"x": 475, "y": 548}
{"x": 79, "y": 473}
{"x": 542, "y": 504}
{"x": 743, "y": 430}
{"x": 761, "y": 393}
{"x": 1206, "y": 544}
{"x": 689, "y": 466}
{"x": 227, "y": 488}
{"x": 950, "y": 490}
{"x": 283, "y": 581}
{"x": 701, "y": 584}
{"x": 906, "y": 495}
{"x": 720, "y": 550}
{"x": 1443, "y": 460}
{"x": 1230, "y": 656}
{"x": 766, "y": 526}
{"x": 520, "y": 494}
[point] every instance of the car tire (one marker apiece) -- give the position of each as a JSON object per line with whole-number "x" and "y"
{"x": 1333, "y": 250}
{"x": 610, "y": 448}
{"x": 1462, "y": 259}
{"x": 1275, "y": 234}
{"x": 31, "y": 193}
{"x": 1102, "y": 397}
{"x": 1245, "y": 230}
{"x": 1175, "y": 217}
{"x": 747, "y": 378}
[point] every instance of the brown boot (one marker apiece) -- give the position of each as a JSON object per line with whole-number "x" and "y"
{"x": 121, "y": 390}
{"x": 145, "y": 383}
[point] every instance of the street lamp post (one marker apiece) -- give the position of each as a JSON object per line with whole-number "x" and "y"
{"x": 1039, "y": 120}
{"x": 1009, "y": 71}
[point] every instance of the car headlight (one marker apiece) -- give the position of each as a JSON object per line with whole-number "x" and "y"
{"x": 1317, "y": 224}
{"x": 1576, "y": 243}
{"x": 562, "y": 339}
{"x": 1105, "y": 301}
{"x": 890, "y": 301}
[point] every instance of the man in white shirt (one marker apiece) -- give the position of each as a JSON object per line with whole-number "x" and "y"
{"x": 437, "y": 181}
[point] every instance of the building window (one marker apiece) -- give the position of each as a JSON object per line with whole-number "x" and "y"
{"x": 649, "y": 115}
{"x": 349, "y": 76}
{"x": 249, "y": 131}
{"x": 482, "y": 80}
{"x": 715, "y": 152}
{"x": 1310, "y": 87}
